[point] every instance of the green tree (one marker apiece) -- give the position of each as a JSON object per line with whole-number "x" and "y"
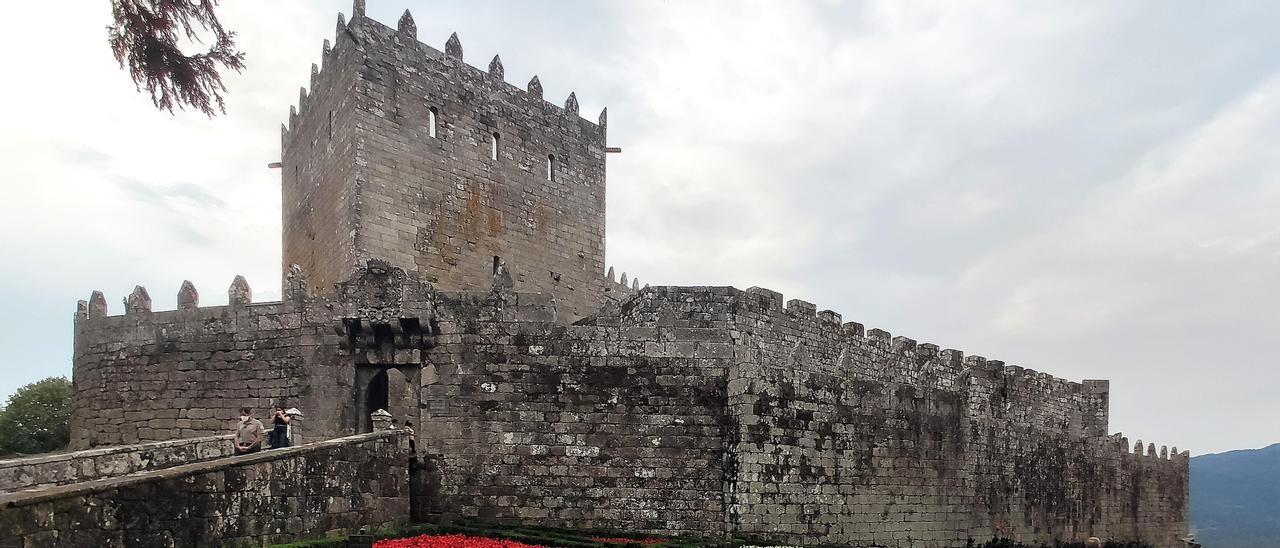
{"x": 36, "y": 417}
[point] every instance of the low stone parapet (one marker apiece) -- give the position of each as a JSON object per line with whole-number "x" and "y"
{"x": 271, "y": 496}
{"x": 107, "y": 462}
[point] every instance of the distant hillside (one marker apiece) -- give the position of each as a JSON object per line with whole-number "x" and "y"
{"x": 1235, "y": 498}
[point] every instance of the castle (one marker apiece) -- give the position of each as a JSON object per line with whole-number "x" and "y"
{"x": 443, "y": 258}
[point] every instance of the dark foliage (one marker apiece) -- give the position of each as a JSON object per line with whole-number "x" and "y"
{"x": 145, "y": 40}
{"x": 36, "y": 417}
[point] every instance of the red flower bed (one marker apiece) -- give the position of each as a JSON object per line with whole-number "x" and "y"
{"x": 450, "y": 541}
{"x": 622, "y": 540}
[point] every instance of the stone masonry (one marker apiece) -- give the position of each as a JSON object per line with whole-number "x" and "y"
{"x": 108, "y": 462}
{"x": 272, "y": 496}
{"x": 682, "y": 409}
{"x": 468, "y": 294}
{"x": 406, "y": 153}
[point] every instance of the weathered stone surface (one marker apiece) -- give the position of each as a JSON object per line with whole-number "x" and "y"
{"x": 453, "y": 47}
{"x": 407, "y": 27}
{"x": 682, "y": 409}
{"x": 535, "y": 88}
{"x": 393, "y": 145}
{"x": 138, "y": 302}
{"x": 547, "y": 391}
{"x": 97, "y": 305}
{"x": 268, "y": 497}
{"x": 295, "y": 284}
{"x": 495, "y": 68}
{"x": 80, "y": 466}
{"x": 239, "y": 294}
{"x": 188, "y": 297}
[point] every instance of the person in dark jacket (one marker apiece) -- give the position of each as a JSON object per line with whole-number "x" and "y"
{"x": 279, "y": 428}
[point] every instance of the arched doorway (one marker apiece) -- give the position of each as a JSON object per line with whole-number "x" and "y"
{"x": 376, "y": 396}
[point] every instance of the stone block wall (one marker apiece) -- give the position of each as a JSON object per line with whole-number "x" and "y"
{"x": 319, "y": 186}
{"x": 273, "y": 496}
{"x": 1140, "y": 494}
{"x": 154, "y": 376}
{"x": 587, "y": 426}
{"x": 107, "y": 462}
{"x": 829, "y": 457}
{"x": 813, "y": 429}
{"x": 853, "y": 435}
{"x": 678, "y": 409}
{"x": 407, "y": 173}
{"x": 1059, "y": 487}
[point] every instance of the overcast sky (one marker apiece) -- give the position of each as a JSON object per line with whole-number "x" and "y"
{"x": 1090, "y": 189}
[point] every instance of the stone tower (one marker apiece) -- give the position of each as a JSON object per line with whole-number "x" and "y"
{"x": 402, "y": 152}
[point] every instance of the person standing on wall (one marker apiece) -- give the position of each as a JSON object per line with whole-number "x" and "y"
{"x": 279, "y": 428}
{"x": 413, "y": 449}
{"x": 248, "y": 433}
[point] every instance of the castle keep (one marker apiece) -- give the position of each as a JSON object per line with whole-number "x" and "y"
{"x": 405, "y": 153}
{"x": 443, "y": 243}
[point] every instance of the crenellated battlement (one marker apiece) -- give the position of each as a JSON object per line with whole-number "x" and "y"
{"x": 622, "y": 287}
{"x": 794, "y": 335}
{"x": 828, "y": 404}
{"x": 406, "y": 152}
{"x": 138, "y": 305}
{"x": 804, "y": 313}
{"x": 361, "y": 29}
{"x": 763, "y": 391}
{"x": 1118, "y": 445}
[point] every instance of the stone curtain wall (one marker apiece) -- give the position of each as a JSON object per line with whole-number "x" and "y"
{"x": 852, "y": 435}
{"x": 273, "y": 496}
{"x": 827, "y": 432}
{"x": 844, "y": 437}
{"x": 822, "y": 456}
{"x": 146, "y": 376}
{"x": 154, "y": 376}
{"x": 589, "y": 426}
{"x": 79, "y": 466}
{"x": 383, "y": 186}
{"x": 1140, "y": 495}
{"x": 681, "y": 409}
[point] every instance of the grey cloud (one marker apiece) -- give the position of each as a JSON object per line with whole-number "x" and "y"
{"x": 79, "y": 154}
{"x": 968, "y": 175}
{"x": 159, "y": 194}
